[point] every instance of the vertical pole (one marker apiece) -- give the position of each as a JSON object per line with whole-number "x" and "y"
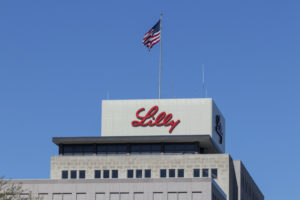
{"x": 159, "y": 81}
{"x": 203, "y": 83}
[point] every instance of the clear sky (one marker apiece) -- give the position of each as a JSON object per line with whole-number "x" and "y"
{"x": 59, "y": 59}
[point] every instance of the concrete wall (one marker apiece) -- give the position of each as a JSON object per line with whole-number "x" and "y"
{"x": 122, "y": 163}
{"x": 196, "y": 116}
{"x": 233, "y": 187}
{"x": 124, "y": 189}
{"x": 248, "y": 190}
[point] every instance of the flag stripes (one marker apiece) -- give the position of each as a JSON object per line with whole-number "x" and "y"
{"x": 152, "y": 37}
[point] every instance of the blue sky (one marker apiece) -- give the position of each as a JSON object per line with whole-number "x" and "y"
{"x": 59, "y": 59}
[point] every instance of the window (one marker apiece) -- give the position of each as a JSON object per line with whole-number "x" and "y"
{"x": 196, "y": 172}
{"x": 163, "y": 173}
{"x": 147, "y": 173}
{"x": 156, "y": 148}
{"x": 67, "y": 150}
{"x": 139, "y": 173}
{"x": 101, "y": 149}
{"x": 130, "y": 173}
{"x": 140, "y": 148}
{"x": 88, "y": 149}
{"x": 64, "y": 174}
{"x": 180, "y": 173}
{"x": 112, "y": 149}
{"x": 121, "y": 148}
{"x": 77, "y": 149}
{"x": 105, "y": 173}
{"x": 73, "y": 174}
{"x": 205, "y": 173}
{"x": 171, "y": 173}
{"x": 214, "y": 173}
{"x": 145, "y": 148}
{"x": 117, "y": 149}
{"x": 180, "y": 148}
{"x": 97, "y": 173}
{"x": 114, "y": 173}
{"x": 82, "y": 174}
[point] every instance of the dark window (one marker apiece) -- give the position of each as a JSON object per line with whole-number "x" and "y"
{"x": 114, "y": 173}
{"x": 101, "y": 149}
{"x": 214, "y": 173}
{"x": 73, "y": 174}
{"x": 147, "y": 173}
{"x": 130, "y": 173}
{"x": 156, "y": 148}
{"x": 68, "y": 150}
{"x": 196, "y": 172}
{"x": 112, "y": 149}
{"x": 163, "y": 173}
{"x": 180, "y": 148}
{"x": 148, "y": 148}
{"x": 145, "y": 148}
{"x": 205, "y": 173}
{"x": 171, "y": 173}
{"x": 77, "y": 149}
{"x": 64, "y": 174}
{"x": 88, "y": 149}
{"x": 180, "y": 173}
{"x": 140, "y": 148}
{"x": 82, "y": 174}
{"x": 139, "y": 173}
{"x": 97, "y": 173}
{"x": 105, "y": 173}
{"x": 117, "y": 149}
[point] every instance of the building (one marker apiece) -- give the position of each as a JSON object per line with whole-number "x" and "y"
{"x": 162, "y": 149}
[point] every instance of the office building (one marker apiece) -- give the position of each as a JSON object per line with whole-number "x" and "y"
{"x": 160, "y": 149}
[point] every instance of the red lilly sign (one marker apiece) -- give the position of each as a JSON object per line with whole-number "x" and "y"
{"x": 162, "y": 119}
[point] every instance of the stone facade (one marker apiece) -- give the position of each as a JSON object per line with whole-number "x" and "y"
{"x": 122, "y": 163}
{"x": 124, "y": 189}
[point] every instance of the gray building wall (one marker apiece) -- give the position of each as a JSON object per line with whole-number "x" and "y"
{"x": 233, "y": 187}
{"x": 155, "y": 162}
{"x": 125, "y": 189}
{"x": 248, "y": 190}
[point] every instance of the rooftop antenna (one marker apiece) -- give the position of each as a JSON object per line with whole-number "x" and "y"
{"x": 204, "y": 90}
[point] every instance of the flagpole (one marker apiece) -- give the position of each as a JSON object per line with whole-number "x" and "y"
{"x": 159, "y": 81}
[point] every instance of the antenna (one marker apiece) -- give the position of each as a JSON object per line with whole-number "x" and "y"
{"x": 203, "y": 82}
{"x": 204, "y": 89}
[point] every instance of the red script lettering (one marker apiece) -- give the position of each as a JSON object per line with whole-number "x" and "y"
{"x": 162, "y": 119}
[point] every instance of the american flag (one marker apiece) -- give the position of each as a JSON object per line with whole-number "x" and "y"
{"x": 152, "y": 37}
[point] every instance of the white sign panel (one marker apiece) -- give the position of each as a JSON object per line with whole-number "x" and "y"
{"x": 163, "y": 117}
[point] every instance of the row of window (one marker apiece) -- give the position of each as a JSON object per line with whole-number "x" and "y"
{"x": 147, "y": 148}
{"x": 139, "y": 173}
{"x": 73, "y": 174}
{"x": 205, "y": 172}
